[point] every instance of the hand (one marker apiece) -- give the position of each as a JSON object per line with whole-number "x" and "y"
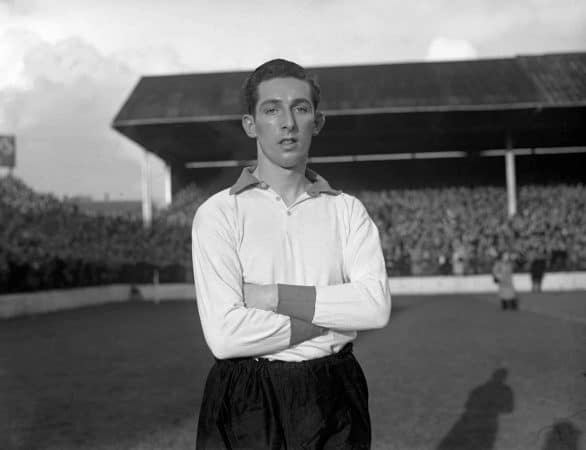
{"x": 261, "y": 296}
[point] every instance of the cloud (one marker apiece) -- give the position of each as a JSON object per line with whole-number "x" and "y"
{"x": 18, "y": 7}
{"x": 442, "y": 48}
{"x": 14, "y": 44}
{"x": 60, "y": 103}
{"x": 150, "y": 60}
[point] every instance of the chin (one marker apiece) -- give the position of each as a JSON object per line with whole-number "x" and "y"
{"x": 286, "y": 159}
{"x": 291, "y": 163}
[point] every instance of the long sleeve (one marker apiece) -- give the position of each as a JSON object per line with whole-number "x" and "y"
{"x": 364, "y": 302}
{"x": 231, "y": 329}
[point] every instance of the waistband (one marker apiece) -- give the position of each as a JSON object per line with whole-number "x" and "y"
{"x": 344, "y": 353}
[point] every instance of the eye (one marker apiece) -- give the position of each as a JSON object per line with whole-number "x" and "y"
{"x": 270, "y": 110}
{"x": 304, "y": 108}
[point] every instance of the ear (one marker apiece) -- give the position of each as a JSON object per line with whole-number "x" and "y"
{"x": 249, "y": 125}
{"x": 319, "y": 122}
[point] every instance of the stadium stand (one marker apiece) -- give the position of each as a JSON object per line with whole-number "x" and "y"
{"x": 46, "y": 243}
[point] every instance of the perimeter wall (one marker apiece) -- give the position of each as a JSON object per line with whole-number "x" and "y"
{"x": 24, "y": 304}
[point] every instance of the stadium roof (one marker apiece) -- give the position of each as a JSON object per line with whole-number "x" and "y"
{"x": 537, "y": 101}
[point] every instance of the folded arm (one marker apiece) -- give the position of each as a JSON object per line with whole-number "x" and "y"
{"x": 363, "y": 302}
{"x": 230, "y": 329}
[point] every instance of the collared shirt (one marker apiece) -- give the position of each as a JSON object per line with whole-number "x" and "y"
{"x": 323, "y": 251}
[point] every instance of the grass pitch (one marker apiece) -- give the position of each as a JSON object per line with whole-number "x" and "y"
{"x": 130, "y": 376}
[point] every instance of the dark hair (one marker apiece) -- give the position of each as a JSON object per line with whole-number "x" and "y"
{"x": 276, "y": 68}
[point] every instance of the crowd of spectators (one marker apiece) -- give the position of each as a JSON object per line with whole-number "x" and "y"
{"x": 48, "y": 243}
{"x": 462, "y": 230}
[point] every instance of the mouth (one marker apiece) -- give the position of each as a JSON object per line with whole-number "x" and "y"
{"x": 288, "y": 141}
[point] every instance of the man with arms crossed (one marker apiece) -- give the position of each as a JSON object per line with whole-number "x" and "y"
{"x": 287, "y": 270}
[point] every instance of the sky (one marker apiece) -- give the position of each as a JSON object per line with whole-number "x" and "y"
{"x": 67, "y": 66}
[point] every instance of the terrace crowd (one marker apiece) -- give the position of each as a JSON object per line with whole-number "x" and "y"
{"x": 48, "y": 243}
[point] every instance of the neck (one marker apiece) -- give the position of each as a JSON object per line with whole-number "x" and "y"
{"x": 289, "y": 183}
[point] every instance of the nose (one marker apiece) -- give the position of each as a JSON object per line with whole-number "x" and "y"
{"x": 288, "y": 120}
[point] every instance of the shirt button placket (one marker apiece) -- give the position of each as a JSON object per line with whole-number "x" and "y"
{"x": 288, "y": 214}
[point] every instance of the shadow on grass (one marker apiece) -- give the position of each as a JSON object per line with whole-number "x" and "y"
{"x": 477, "y": 427}
{"x": 563, "y": 436}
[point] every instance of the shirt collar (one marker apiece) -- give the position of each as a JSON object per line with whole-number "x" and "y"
{"x": 318, "y": 183}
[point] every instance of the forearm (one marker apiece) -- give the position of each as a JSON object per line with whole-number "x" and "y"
{"x": 350, "y": 306}
{"x": 241, "y": 332}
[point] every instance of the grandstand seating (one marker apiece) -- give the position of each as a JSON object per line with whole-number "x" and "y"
{"x": 48, "y": 243}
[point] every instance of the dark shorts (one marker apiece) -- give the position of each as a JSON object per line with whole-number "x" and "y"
{"x": 261, "y": 404}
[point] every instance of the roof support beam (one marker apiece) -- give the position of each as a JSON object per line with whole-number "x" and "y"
{"x": 168, "y": 185}
{"x": 398, "y": 156}
{"x": 511, "y": 178}
{"x": 147, "y": 196}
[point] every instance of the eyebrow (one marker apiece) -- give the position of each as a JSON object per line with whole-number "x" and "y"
{"x": 294, "y": 101}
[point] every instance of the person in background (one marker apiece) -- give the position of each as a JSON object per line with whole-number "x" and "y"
{"x": 503, "y": 275}
{"x": 537, "y": 270}
{"x": 459, "y": 258}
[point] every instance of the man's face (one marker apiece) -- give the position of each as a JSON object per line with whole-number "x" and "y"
{"x": 284, "y": 121}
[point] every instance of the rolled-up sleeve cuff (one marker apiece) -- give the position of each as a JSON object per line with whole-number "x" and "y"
{"x": 302, "y": 331}
{"x": 296, "y": 301}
